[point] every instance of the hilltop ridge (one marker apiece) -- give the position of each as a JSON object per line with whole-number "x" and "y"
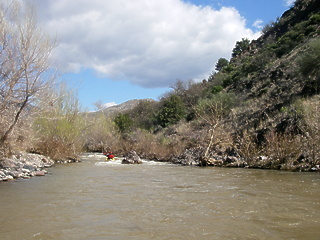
{"x": 123, "y": 107}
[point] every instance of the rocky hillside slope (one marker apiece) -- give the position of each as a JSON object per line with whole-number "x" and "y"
{"x": 279, "y": 68}
{"x": 275, "y": 122}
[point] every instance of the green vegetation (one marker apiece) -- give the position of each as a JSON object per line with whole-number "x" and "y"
{"x": 171, "y": 112}
{"x": 309, "y": 66}
{"x": 123, "y": 122}
{"x": 58, "y": 128}
{"x": 222, "y": 62}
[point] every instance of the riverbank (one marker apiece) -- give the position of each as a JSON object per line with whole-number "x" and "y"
{"x": 27, "y": 165}
{"x": 24, "y": 165}
{"x": 194, "y": 157}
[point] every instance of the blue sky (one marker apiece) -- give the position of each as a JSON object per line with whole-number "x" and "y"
{"x": 115, "y": 51}
{"x": 252, "y": 10}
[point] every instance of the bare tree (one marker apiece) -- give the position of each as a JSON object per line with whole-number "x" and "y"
{"x": 25, "y": 68}
{"x": 213, "y": 111}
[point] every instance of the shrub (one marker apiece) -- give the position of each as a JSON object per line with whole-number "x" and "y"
{"x": 240, "y": 47}
{"x": 59, "y": 129}
{"x": 216, "y": 89}
{"x": 123, "y": 122}
{"x": 101, "y": 134}
{"x": 143, "y": 115}
{"x": 314, "y": 19}
{"x": 227, "y": 81}
{"x": 171, "y": 112}
{"x": 309, "y": 66}
{"x": 214, "y": 109}
{"x": 222, "y": 63}
{"x": 310, "y": 61}
{"x": 311, "y": 143}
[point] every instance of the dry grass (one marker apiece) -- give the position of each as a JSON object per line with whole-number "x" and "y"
{"x": 311, "y": 139}
{"x": 286, "y": 150}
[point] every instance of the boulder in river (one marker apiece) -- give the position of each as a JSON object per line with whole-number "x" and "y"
{"x": 132, "y": 158}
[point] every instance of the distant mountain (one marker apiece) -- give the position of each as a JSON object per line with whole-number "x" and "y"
{"x": 119, "y": 108}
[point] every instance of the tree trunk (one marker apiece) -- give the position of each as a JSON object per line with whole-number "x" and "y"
{"x": 6, "y": 135}
{"x": 210, "y": 143}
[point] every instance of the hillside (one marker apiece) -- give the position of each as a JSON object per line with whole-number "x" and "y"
{"x": 270, "y": 70}
{"x": 276, "y": 79}
{"x": 260, "y": 109}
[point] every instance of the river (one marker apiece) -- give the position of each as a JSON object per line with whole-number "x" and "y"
{"x": 94, "y": 200}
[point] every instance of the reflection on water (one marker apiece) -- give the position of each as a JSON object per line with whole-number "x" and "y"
{"x": 98, "y": 200}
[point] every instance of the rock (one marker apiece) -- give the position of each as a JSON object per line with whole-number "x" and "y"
{"x": 8, "y": 163}
{"x": 45, "y": 160}
{"x": 188, "y": 162}
{"x": 205, "y": 161}
{"x": 230, "y": 159}
{"x": 7, "y": 178}
{"x": 132, "y": 158}
{"x": 188, "y": 157}
{"x": 15, "y": 174}
{"x": 29, "y": 167}
{"x": 219, "y": 161}
{"x": 315, "y": 168}
{"x": 262, "y": 158}
{"x": 40, "y": 173}
{"x": 24, "y": 170}
{"x": 23, "y": 165}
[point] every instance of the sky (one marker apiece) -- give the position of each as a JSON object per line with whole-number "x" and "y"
{"x": 114, "y": 51}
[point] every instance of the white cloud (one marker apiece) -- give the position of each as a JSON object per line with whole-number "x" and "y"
{"x": 289, "y": 3}
{"x": 150, "y": 43}
{"x": 258, "y": 24}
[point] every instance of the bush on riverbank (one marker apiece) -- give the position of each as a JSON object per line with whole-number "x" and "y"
{"x": 58, "y": 129}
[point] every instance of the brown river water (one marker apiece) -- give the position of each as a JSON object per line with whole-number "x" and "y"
{"x": 95, "y": 200}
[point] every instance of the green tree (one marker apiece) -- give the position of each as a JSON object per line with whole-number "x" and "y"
{"x": 172, "y": 111}
{"x": 222, "y": 62}
{"x": 240, "y": 47}
{"x": 143, "y": 114}
{"x": 123, "y": 122}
